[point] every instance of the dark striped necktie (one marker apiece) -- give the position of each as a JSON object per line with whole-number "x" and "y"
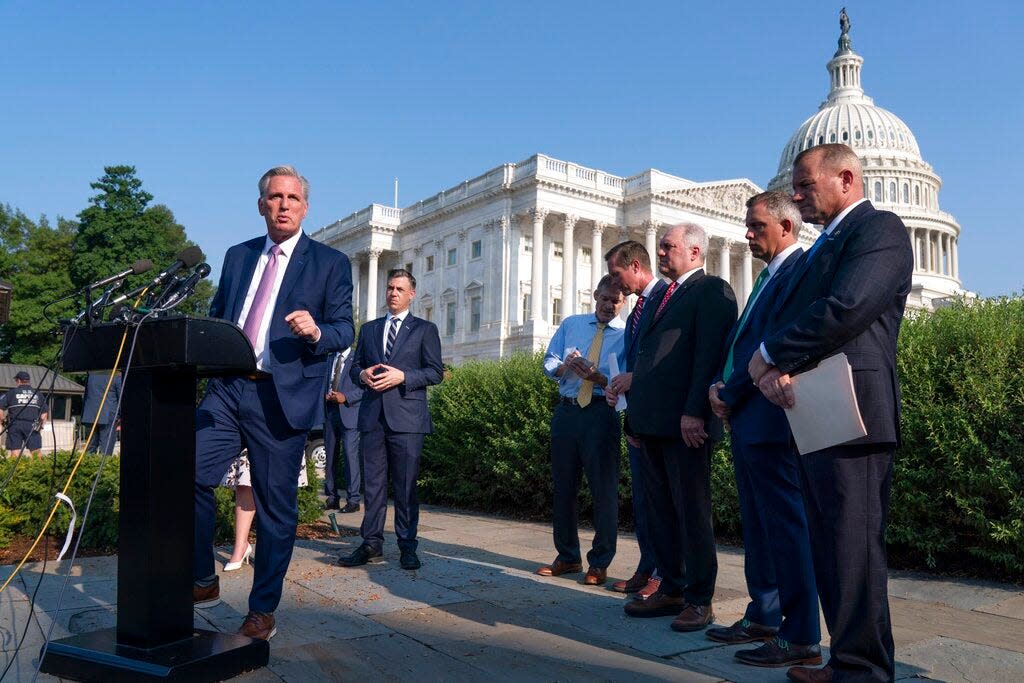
{"x": 637, "y": 312}
{"x": 392, "y": 333}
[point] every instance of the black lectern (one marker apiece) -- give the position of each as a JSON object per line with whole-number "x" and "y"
{"x": 154, "y": 639}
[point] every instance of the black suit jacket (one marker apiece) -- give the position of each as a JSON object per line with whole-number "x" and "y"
{"x": 850, "y": 298}
{"x": 677, "y": 356}
{"x": 753, "y": 418}
{"x": 417, "y": 353}
{"x": 629, "y": 340}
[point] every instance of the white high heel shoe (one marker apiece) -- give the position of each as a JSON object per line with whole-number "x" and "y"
{"x": 247, "y": 557}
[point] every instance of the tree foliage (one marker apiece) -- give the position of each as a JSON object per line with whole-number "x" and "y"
{"x": 119, "y": 227}
{"x": 35, "y": 258}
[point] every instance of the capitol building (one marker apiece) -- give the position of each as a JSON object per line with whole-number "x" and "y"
{"x": 500, "y": 259}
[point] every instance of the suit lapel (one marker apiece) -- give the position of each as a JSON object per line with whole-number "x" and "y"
{"x": 404, "y": 330}
{"x": 291, "y": 275}
{"x": 822, "y": 258}
{"x": 677, "y": 295}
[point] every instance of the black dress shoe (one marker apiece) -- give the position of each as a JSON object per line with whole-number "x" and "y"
{"x": 360, "y": 556}
{"x": 349, "y": 507}
{"x": 409, "y": 560}
{"x": 779, "y": 652}
{"x": 331, "y": 504}
{"x": 743, "y": 631}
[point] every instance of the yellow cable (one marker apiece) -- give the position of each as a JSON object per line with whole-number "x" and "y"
{"x": 81, "y": 457}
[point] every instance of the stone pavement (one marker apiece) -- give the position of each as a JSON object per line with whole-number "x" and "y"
{"x": 476, "y": 612}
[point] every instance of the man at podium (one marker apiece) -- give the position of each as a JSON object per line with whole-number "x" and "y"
{"x": 293, "y": 299}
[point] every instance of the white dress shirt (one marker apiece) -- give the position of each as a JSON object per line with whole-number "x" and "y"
{"x": 387, "y": 326}
{"x": 287, "y": 248}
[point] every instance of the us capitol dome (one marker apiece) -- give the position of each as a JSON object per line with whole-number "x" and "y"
{"x": 896, "y": 177}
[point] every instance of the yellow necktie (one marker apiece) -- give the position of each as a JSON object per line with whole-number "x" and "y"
{"x": 593, "y": 355}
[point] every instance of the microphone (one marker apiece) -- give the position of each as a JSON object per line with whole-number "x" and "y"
{"x": 183, "y": 288}
{"x": 140, "y": 266}
{"x": 188, "y": 257}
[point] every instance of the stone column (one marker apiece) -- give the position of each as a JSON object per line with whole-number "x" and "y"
{"x": 724, "y": 264}
{"x": 596, "y": 255}
{"x": 915, "y": 241}
{"x": 372, "y": 259}
{"x": 941, "y": 245}
{"x": 569, "y": 266}
{"x": 651, "y": 239}
{"x": 746, "y": 277}
{"x": 356, "y": 311}
{"x": 537, "y": 298}
{"x": 929, "y": 261}
{"x": 955, "y": 251}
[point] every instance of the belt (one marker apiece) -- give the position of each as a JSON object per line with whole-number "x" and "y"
{"x": 569, "y": 400}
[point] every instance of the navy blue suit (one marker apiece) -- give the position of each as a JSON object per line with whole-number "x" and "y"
{"x": 106, "y": 419}
{"x": 393, "y": 423}
{"x": 340, "y": 429}
{"x": 850, "y": 298}
{"x": 776, "y": 546}
{"x": 270, "y": 416}
{"x": 642, "y": 516}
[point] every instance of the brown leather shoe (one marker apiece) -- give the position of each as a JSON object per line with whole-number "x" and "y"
{"x": 206, "y": 596}
{"x": 693, "y": 618}
{"x": 635, "y": 583}
{"x": 743, "y": 631}
{"x": 658, "y": 605}
{"x": 650, "y": 589}
{"x": 595, "y": 576}
{"x": 557, "y": 568}
{"x": 805, "y": 674}
{"x": 258, "y": 626}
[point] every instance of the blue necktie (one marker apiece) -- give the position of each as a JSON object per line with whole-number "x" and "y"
{"x": 392, "y": 333}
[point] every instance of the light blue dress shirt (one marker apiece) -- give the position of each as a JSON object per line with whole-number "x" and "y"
{"x": 576, "y": 332}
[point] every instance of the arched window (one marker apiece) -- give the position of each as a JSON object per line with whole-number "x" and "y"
{"x": 906, "y": 193}
{"x": 871, "y": 134}
{"x": 917, "y": 195}
{"x": 878, "y": 190}
{"x": 821, "y": 139}
{"x": 856, "y": 135}
{"x": 892, "y": 192}
{"x": 832, "y": 137}
{"x": 846, "y": 136}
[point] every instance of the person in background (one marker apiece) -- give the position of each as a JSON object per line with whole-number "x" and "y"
{"x": 23, "y": 411}
{"x": 105, "y": 420}
{"x": 341, "y": 415}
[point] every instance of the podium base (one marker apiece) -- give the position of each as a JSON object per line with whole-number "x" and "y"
{"x": 206, "y": 656}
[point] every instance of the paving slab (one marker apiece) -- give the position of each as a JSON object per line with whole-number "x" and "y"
{"x": 1012, "y": 607}
{"x": 948, "y": 659}
{"x": 964, "y": 594}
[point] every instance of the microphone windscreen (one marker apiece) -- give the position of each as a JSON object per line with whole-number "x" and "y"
{"x": 190, "y": 256}
{"x": 141, "y": 266}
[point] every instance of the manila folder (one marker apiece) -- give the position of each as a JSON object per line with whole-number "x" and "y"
{"x": 825, "y": 411}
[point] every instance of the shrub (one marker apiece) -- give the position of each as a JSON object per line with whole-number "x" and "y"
{"x": 490, "y": 449}
{"x": 959, "y": 477}
{"x": 26, "y": 501}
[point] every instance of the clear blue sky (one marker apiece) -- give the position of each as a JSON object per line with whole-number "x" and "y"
{"x": 203, "y": 96}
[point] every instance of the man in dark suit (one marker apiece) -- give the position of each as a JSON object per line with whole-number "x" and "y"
{"x": 341, "y": 413}
{"x": 846, "y": 294}
{"x": 105, "y": 420}
{"x": 783, "y": 607}
{"x": 630, "y": 264}
{"x": 293, "y": 299}
{"x": 676, "y": 360}
{"x": 398, "y": 357}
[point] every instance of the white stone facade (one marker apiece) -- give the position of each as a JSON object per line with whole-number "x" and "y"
{"x": 896, "y": 178}
{"x": 483, "y": 249}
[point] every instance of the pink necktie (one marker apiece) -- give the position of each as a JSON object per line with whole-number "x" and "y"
{"x": 262, "y": 298}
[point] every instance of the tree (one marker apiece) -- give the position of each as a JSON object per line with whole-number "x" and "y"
{"x": 36, "y": 258}
{"x": 119, "y": 227}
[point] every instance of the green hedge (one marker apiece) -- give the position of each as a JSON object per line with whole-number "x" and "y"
{"x": 958, "y": 485}
{"x": 958, "y": 489}
{"x": 491, "y": 443}
{"x": 27, "y": 500}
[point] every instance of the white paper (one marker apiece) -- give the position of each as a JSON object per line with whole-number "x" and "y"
{"x": 613, "y": 370}
{"x": 825, "y": 411}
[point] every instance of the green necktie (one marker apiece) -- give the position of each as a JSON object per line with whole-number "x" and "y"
{"x": 758, "y": 283}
